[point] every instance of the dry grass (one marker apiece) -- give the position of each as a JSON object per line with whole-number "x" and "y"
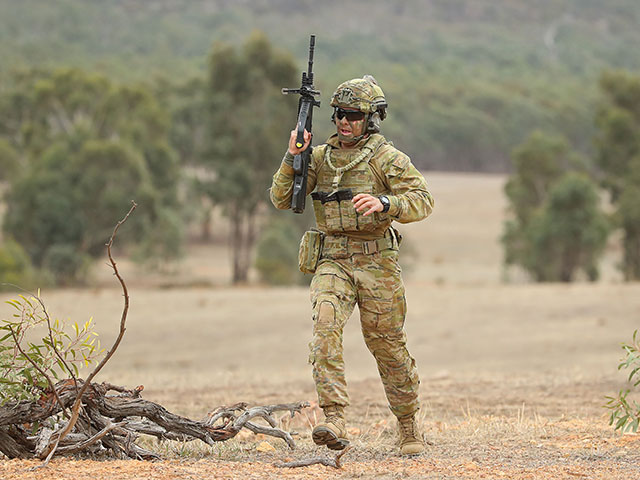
{"x": 513, "y": 375}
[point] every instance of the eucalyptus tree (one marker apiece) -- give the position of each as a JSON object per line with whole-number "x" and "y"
{"x": 557, "y": 227}
{"x": 248, "y": 123}
{"x": 84, "y": 148}
{"x": 618, "y": 156}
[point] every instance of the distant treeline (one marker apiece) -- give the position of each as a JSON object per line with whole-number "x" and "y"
{"x": 467, "y": 80}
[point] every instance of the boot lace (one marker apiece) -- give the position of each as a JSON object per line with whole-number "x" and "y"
{"x": 408, "y": 428}
{"x": 333, "y": 416}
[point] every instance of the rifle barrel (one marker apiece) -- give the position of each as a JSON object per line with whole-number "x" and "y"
{"x": 312, "y": 46}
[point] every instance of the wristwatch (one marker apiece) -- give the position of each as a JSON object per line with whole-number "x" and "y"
{"x": 385, "y": 203}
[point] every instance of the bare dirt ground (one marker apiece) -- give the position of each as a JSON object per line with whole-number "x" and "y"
{"x": 514, "y": 375}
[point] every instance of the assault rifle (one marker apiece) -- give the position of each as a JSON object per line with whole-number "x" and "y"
{"x": 305, "y": 115}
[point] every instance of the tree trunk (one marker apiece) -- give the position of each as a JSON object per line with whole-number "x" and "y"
{"x": 206, "y": 225}
{"x": 249, "y": 242}
{"x": 569, "y": 262}
{"x": 236, "y": 241}
{"x": 631, "y": 255}
{"x": 243, "y": 239}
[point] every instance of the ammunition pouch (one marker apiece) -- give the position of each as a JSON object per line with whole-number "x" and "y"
{"x": 310, "y": 250}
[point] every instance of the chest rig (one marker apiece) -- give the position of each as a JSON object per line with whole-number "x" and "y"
{"x": 342, "y": 175}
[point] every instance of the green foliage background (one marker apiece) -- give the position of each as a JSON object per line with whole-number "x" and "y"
{"x": 85, "y": 148}
{"x": 467, "y": 80}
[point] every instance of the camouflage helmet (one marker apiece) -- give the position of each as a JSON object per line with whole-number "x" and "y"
{"x": 363, "y": 94}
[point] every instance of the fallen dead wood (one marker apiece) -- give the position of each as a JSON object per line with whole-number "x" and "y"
{"x": 327, "y": 462}
{"x": 113, "y": 422}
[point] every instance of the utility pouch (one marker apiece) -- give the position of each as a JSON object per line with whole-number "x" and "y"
{"x": 398, "y": 237}
{"x": 310, "y": 251}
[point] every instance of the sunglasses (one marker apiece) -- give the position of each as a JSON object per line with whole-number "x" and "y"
{"x": 352, "y": 115}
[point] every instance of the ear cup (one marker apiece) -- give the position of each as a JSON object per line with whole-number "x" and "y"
{"x": 373, "y": 124}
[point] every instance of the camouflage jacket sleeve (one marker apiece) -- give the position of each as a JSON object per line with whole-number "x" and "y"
{"x": 282, "y": 183}
{"x": 410, "y": 199}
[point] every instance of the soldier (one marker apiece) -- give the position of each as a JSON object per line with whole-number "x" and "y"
{"x": 360, "y": 184}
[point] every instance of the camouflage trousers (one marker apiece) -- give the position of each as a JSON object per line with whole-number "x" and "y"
{"x": 374, "y": 283}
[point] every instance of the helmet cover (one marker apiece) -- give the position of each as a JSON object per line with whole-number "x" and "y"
{"x": 362, "y": 94}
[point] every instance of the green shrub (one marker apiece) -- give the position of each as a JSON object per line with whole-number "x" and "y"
{"x": 15, "y": 266}
{"x": 557, "y": 227}
{"x": 65, "y": 264}
{"x": 277, "y": 253}
{"x": 625, "y": 412}
{"x": 60, "y": 352}
{"x": 569, "y": 233}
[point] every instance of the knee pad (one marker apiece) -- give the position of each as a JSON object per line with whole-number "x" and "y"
{"x": 325, "y": 315}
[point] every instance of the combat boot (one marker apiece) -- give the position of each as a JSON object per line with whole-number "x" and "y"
{"x": 333, "y": 431}
{"x": 411, "y": 442}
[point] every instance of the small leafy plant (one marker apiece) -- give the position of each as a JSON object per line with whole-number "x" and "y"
{"x": 625, "y": 412}
{"x": 35, "y": 351}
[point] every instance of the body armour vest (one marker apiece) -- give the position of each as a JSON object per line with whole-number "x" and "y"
{"x": 342, "y": 174}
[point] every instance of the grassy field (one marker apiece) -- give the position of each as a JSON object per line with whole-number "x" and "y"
{"x": 513, "y": 374}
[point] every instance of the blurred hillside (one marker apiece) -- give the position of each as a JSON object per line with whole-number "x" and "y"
{"x": 466, "y": 80}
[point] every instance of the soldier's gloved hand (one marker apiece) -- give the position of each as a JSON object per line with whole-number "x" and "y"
{"x": 364, "y": 201}
{"x": 293, "y": 150}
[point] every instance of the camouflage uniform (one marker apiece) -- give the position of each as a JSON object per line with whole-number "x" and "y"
{"x": 359, "y": 262}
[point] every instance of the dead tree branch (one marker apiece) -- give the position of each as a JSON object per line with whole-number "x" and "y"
{"x": 75, "y": 410}
{"x": 328, "y": 462}
{"x": 117, "y": 420}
